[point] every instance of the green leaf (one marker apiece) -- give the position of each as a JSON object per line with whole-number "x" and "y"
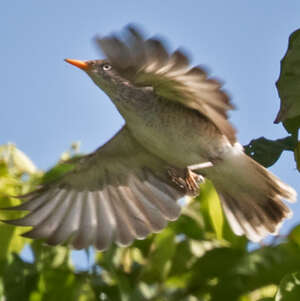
{"x": 267, "y": 152}
{"x": 294, "y": 235}
{"x": 180, "y": 262}
{"x": 10, "y": 184}
{"x": 19, "y": 279}
{"x": 22, "y": 162}
{"x": 57, "y": 172}
{"x": 236, "y": 241}
{"x": 188, "y": 225}
{"x": 49, "y": 256}
{"x": 159, "y": 261}
{"x": 289, "y": 289}
{"x": 15, "y": 157}
{"x": 297, "y": 155}
{"x": 288, "y": 85}
{"x": 211, "y": 204}
{"x": 59, "y": 284}
{"x": 237, "y": 272}
{"x": 10, "y": 239}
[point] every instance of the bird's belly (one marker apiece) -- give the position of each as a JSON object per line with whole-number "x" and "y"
{"x": 179, "y": 139}
{"x": 177, "y": 152}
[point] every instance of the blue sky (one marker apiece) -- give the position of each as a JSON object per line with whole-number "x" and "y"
{"x": 47, "y": 104}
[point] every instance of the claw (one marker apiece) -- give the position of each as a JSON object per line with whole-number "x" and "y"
{"x": 188, "y": 182}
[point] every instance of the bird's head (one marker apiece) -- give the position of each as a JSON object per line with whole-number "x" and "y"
{"x": 101, "y": 72}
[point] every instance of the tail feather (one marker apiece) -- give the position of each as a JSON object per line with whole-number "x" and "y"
{"x": 252, "y": 197}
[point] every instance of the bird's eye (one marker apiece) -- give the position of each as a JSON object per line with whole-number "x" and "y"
{"x": 106, "y": 67}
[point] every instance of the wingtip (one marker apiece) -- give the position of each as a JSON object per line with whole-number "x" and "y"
{"x": 135, "y": 29}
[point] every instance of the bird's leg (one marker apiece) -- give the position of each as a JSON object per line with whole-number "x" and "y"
{"x": 186, "y": 180}
{"x": 193, "y": 181}
{"x": 200, "y": 165}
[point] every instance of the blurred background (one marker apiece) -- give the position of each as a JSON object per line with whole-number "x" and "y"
{"x": 47, "y": 104}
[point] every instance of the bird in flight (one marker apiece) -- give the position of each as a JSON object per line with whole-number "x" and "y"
{"x": 176, "y": 133}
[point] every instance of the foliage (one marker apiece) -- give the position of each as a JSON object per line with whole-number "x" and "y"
{"x": 288, "y": 86}
{"x": 267, "y": 151}
{"x": 289, "y": 289}
{"x": 195, "y": 258}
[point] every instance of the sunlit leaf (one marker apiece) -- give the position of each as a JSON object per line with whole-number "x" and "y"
{"x": 14, "y": 156}
{"x": 263, "y": 293}
{"x": 56, "y": 172}
{"x": 210, "y": 202}
{"x": 10, "y": 184}
{"x": 22, "y": 162}
{"x": 294, "y": 235}
{"x": 289, "y": 289}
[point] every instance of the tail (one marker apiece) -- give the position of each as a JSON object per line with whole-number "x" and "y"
{"x": 251, "y": 196}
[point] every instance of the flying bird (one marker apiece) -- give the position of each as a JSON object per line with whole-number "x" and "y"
{"x": 176, "y": 133}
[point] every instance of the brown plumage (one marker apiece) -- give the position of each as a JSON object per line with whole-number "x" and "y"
{"x": 176, "y": 118}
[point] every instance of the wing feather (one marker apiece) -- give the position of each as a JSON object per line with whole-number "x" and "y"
{"x": 39, "y": 214}
{"x": 48, "y": 226}
{"x": 34, "y": 200}
{"x": 124, "y": 232}
{"x": 88, "y": 222}
{"x": 154, "y": 216}
{"x": 69, "y": 225}
{"x": 117, "y": 194}
{"x": 106, "y": 222}
{"x": 139, "y": 223}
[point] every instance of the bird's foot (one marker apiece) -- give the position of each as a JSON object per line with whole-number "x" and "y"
{"x": 186, "y": 180}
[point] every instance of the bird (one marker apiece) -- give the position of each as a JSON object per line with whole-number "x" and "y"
{"x": 176, "y": 135}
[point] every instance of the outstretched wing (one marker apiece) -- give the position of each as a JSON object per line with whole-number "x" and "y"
{"x": 118, "y": 193}
{"x": 148, "y": 63}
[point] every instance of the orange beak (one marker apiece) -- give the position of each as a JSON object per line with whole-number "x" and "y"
{"x": 80, "y": 64}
